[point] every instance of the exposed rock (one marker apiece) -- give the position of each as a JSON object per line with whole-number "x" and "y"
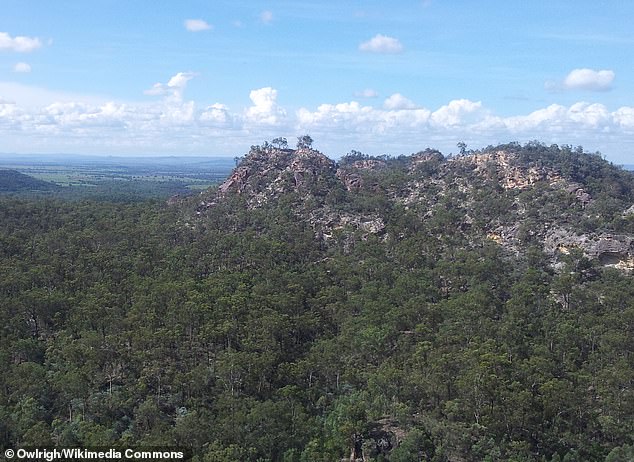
{"x": 327, "y": 221}
{"x": 350, "y": 176}
{"x": 236, "y": 181}
{"x": 352, "y": 181}
{"x": 266, "y": 172}
{"x": 429, "y": 155}
{"x": 368, "y": 164}
{"x": 610, "y": 243}
{"x": 609, "y": 249}
{"x": 509, "y": 173}
{"x": 563, "y": 240}
{"x": 580, "y": 194}
{"x": 426, "y": 184}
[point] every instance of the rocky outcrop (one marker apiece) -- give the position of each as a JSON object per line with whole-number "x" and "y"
{"x": 327, "y": 222}
{"x": 511, "y": 175}
{"x": 609, "y": 249}
{"x": 579, "y": 192}
{"x": 616, "y": 250}
{"x": 350, "y": 174}
{"x": 428, "y": 184}
{"x": 236, "y": 182}
{"x": 267, "y": 172}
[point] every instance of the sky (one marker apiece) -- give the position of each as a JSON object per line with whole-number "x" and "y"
{"x": 212, "y": 78}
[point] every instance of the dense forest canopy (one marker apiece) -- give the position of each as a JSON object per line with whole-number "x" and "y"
{"x": 420, "y": 308}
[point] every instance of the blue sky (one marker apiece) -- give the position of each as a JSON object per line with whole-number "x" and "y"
{"x": 214, "y": 77}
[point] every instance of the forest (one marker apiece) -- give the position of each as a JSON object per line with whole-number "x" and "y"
{"x": 417, "y": 308}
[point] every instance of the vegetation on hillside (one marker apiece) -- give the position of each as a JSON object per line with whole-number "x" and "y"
{"x": 13, "y": 181}
{"x": 243, "y": 334}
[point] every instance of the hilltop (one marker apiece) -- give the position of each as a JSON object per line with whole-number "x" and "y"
{"x": 518, "y": 197}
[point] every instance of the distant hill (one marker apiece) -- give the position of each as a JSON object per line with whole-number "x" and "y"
{"x": 13, "y": 181}
{"x": 629, "y": 167}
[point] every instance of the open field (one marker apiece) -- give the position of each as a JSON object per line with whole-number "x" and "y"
{"x": 116, "y": 177}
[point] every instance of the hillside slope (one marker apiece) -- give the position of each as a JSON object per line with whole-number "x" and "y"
{"x": 14, "y": 181}
{"x": 423, "y": 308}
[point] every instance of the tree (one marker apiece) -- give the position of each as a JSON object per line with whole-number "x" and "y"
{"x": 304, "y": 142}
{"x": 280, "y": 143}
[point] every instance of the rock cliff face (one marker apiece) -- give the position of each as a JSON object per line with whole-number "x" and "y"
{"x": 351, "y": 175}
{"x": 510, "y": 176}
{"x": 268, "y": 172}
{"x": 493, "y": 196}
{"x": 264, "y": 175}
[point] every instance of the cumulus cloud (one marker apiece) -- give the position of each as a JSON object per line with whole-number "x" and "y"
{"x": 174, "y": 88}
{"x": 584, "y": 79}
{"x": 19, "y": 44}
{"x": 217, "y": 114}
{"x": 589, "y": 79}
{"x": 354, "y": 118}
{"x": 398, "y": 101}
{"x": 624, "y": 118}
{"x": 196, "y": 25}
{"x": 265, "y": 110}
{"x": 382, "y": 44}
{"x": 170, "y": 123}
{"x": 455, "y": 113}
{"x": 266, "y": 17}
{"x": 23, "y": 68}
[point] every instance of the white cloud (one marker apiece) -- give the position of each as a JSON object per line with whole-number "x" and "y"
{"x": 158, "y": 89}
{"x": 589, "y": 79}
{"x": 217, "y": 114}
{"x": 624, "y": 117}
{"x": 265, "y": 110}
{"x": 196, "y": 25}
{"x": 178, "y": 113}
{"x": 455, "y": 113}
{"x": 23, "y": 68}
{"x": 398, "y": 101}
{"x": 356, "y": 119}
{"x": 171, "y": 124}
{"x": 382, "y": 44}
{"x": 266, "y": 17}
{"x": 19, "y": 44}
{"x": 174, "y": 88}
{"x": 589, "y": 115}
{"x": 548, "y": 118}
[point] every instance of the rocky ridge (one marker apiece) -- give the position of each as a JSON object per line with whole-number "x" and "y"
{"x": 540, "y": 203}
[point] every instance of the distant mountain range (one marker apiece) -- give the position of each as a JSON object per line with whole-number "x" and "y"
{"x": 131, "y": 161}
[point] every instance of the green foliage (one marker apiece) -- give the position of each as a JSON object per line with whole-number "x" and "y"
{"x": 242, "y": 336}
{"x": 13, "y": 181}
